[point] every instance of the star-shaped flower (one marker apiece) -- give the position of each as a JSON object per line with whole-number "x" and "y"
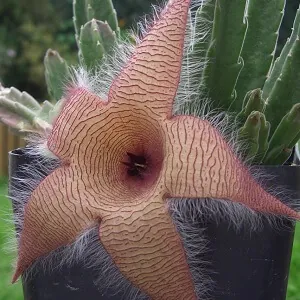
{"x": 123, "y": 158}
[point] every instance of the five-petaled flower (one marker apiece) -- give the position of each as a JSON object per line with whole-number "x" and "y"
{"x": 123, "y": 158}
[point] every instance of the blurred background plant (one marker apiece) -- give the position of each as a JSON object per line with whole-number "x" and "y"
{"x": 29, "y": 27}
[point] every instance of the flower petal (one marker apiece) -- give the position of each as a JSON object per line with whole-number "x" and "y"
{"x": 145, "y": 246}
{"x": 59, "y": 209}
{"x": 200, "y": 164}
{"x": 152, "y": 75}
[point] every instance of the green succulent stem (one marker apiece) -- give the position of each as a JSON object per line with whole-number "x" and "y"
{"x": 286, "y": 90}
{"x": 105, "y": 12}
{"x": 279, "y": 62}
{"x": 79, "y": 16}
{"x": 263, "y": 143}
{"x": 45, "y": 110}
{"x": 248, "y": 135}
{"x": 284, "y": 138}
{"x": 224, "y": 61}
{"x": 264, "y": 20}
{"x": 96, "y": 39}
{"x": 101, "y": 10}
{"x": 23, "y": 113}
{"x": 56, "y": 74}
{"x": 18, "y": 109}
{"x": 23, "y": 98}
{"x": 252, "y": 102}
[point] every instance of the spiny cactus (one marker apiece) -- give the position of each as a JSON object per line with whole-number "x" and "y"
{"x": 237, "y": 43}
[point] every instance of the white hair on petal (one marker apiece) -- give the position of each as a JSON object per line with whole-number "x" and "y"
{"x": 98, "y": 81}
{"x": 193, "y": 63}
{"x": 196, "y": 245}
{"x": 87, "y": 252}
{"x": 28, "y": 178}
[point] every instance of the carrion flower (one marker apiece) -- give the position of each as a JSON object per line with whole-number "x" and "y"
{"x": 122, "y": 158}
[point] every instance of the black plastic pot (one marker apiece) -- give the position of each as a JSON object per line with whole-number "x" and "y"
{"x": 246, "y": 266}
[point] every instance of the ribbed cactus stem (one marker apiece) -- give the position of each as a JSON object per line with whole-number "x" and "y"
{"x": 284, "y": 138}
{"x": 101, "y": 10}
{"x": 46, "y": 108}
{"x": 224, "y": 60}
{"x": 248, "y": 135}
{"x": 105, "y": 12}
{"x": 21, "y": 97}
{"x": 90, "y": 13}
{"x": 56, "y": 74}
{"x": 28, "y": 101}
{"x": 79, "y": 16}
{"x": 263, "y": 144}
{"x": 253, "y": 101}
{"x": 286, "y": 91}
{"x": 54, "y": 112}
{"x": 280, "y": 156}
{"x": 23, "y": 113}
{"x": 294, "y": 141}
{"x": 264, "y": 20}
{"x": 17, "y": 108}
{"x": 96, "y": 39}
{"x": 279, "y": 62}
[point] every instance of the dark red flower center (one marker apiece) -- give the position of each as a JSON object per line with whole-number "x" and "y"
{"x": 136, "y": 164}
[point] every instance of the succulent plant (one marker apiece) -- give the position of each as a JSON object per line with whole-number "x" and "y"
{"x": 123, "y": 156}
{"x": 240, "y": 76}
{"x": 23, "y": 113}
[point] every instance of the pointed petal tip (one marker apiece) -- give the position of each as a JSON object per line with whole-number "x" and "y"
{"x": 17, "y": 274}
{"x": 20, "y": 267}
{"x": 296, "y": 215}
